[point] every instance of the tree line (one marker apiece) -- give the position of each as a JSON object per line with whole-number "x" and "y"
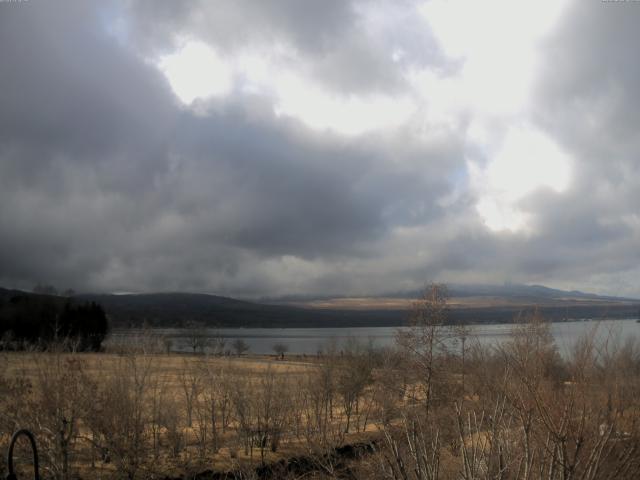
{"x": 28, "y": 321}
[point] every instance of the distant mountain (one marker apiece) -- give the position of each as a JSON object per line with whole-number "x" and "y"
{"x": 6, "y": 293}
{"x": 469, "y": 303}
{"x": 184, "y": 309}
{"x": 532, "y": 291}
{"x": 526, "y": 293}
{"x": 179, "y": 309}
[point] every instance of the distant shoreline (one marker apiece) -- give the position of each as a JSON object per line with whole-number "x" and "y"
{"x": 193, "y": 330}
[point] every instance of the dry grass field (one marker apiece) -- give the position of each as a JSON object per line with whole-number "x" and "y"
{"x": 434, "y": 408}
{"x": 467, "y": 302}
{"x": 144, "y": 415}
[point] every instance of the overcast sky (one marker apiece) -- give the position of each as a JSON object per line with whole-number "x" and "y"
{"x": 262, "y": 148}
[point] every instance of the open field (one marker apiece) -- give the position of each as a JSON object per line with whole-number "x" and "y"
{"x": 174, "y": 413}
{"x": 95, "y": 364}
{"x": 432, "y": 412}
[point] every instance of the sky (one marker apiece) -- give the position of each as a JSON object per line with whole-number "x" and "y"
{"x": 342, "y": 147}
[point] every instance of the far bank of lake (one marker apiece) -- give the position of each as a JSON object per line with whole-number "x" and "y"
{"x": 310, "y": 341}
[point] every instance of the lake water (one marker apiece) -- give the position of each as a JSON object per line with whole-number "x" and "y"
{"x": 312, "y": 340}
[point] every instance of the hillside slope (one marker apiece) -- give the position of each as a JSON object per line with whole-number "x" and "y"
{"x": 184, "y": 309}
{"x": 472, "y": 304}
{"x": 481, "y": 305}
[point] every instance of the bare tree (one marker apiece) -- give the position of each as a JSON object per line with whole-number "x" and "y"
{"x": 271, "y": 410}
{"x": 240, "y": 347}
{"x": 56, "y": 408}
{"x": 196, "y": 337}
{"x": 240, "y": 393}
{"x": 280, "y": 349}
{"x": 218, "y": 343}
{"x": 425, "y": 340}
{"x": 190, "y": 385}
{"x": 461, "y": 334}
{"x": 353, "y": 376}
{"x": 216, "y": 401}
{"x": 319, "y": 392}
{"x": 119, "y": 413}
{"x": 157, "y": 404}
{"x": 172, "y": 424}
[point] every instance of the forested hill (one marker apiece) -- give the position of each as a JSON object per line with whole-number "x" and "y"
{"x": 468, "y": 305}
{"x": 183, "y": 309}
{"x": 29, "y": 319}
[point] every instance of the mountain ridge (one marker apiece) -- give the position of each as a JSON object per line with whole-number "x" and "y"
{"x": 462, "y": 290}
{"x": 485, "y": 304}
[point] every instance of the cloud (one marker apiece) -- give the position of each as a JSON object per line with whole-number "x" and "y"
{"x": 587, "y": 100}
{"x": 344, "y": 149}
{"x": 109, "y": 184}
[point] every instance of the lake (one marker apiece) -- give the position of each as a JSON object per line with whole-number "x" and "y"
{"x": 312, "y": 340}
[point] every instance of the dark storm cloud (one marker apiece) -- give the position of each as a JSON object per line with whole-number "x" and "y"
{"x": 108, "y": 184}
{"x": 63, "y": 79}
{"x": 70, "y": 95}
{"x": 77, "y": 112}
{"x": 279, "y": 188}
